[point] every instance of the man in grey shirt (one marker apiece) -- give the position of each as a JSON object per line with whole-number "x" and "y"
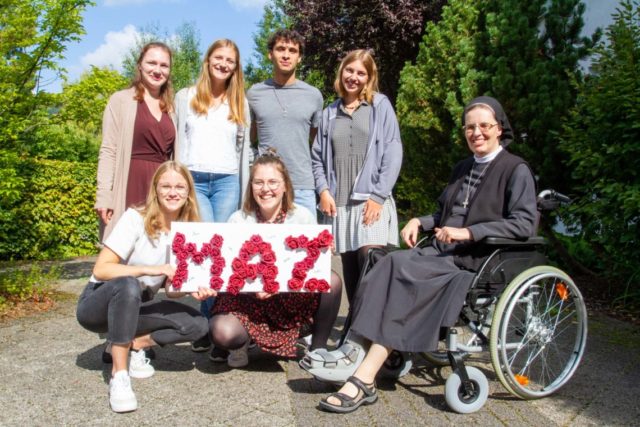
{"x": 285, "y": 114}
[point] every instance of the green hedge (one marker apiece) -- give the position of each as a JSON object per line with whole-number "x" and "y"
{"x": 46, "y": 208}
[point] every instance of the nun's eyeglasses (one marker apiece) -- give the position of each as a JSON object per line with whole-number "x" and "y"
{"x": 484, "y": 127}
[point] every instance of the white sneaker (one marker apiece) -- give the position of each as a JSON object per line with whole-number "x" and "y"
{"x": 121, "y": 396}
{"x": 139, "y": 366}
{"x": 239, "y": 358}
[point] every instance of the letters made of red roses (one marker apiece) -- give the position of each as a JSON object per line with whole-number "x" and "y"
{"x": 243, "y": 270}
{"x": 183, "y": 251}
{"x": 300, "y": 268}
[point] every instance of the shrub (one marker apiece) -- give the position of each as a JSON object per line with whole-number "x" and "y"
{"x": 46, "y": 208}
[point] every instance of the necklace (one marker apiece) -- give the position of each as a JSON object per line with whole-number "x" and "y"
{"x": 351, "y": 107}
{"x": 475, "y": 183}
{"x": 283, "y": 106}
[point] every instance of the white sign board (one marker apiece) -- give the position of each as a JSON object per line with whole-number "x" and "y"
{"x": 251, "y": 257}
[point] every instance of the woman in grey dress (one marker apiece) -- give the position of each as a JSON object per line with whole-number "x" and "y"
{"x": 409, "y": 295}
{"x": 356, "y": 158}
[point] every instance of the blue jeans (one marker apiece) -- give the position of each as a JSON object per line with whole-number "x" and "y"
{"x": 306, "y": 198}
{"x": 218, "y": 195}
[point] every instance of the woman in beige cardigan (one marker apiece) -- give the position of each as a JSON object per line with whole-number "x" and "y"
{"x": 138, "y": 134}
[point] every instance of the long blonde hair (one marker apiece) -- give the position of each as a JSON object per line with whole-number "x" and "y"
{"x": 372, "y": 71}
{"x": 166, "y": 91}
{"x": 151, "y": 212}
{"x": 234, "y": 85}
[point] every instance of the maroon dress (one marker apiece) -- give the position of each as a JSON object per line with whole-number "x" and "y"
{"x": 275, "y": 323}
{"x": 153, "y": 142}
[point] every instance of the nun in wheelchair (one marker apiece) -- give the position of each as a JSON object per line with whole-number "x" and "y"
{"x": 409, "y": 295}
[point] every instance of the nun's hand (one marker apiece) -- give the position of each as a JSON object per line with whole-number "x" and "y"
{"x": 452, "y": 234}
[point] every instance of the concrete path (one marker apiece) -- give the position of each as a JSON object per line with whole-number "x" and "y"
{"x": 51, "y": 374}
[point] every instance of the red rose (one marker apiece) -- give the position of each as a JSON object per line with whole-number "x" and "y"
{"x": 299, "y": 273}
{"x": 178, "y": 241}
{"x": 323, "y": 286}
{"x": 308, "y": 263}
{"x": 311, "y": 285}
{"x": 300, "y": 265}
{"x": 236, "y": 281}
{"x": 303, "y": 241}
{"x": 198, "y": 258}
{"x": 313, "y": 253}
{"x": 190, "y": 248}
{"x": 260, "y": 268}
{"x": 271, "y": 286}
{"x": 216, "y": 283}
{"x": 251, "y": 271}
{"x": 176, "y": 283}
{"x": 237, "y": 263}
{"x": 268, "y": 257}
{"x": 295, "y": 284}
{"x": 291, "y": 242}
{"x": 206, "y": 249}
{"x": 233, "y": 290}
{"x": 265, "y": 246}
{"x": 270, "y": 272}
{"x": 244, "y": 255}
{"x": 217, "y": 240}
{"x": 215, "y": 270}
{"x": 325, "y": 239}
{"x": 256, "y": 239}
{"x": 181, "y": 255}
{"x": 250, "y": 247}
{"x": 214, "y": 252}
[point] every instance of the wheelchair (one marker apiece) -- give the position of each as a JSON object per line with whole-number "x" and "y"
{"x": 528, "y": 315}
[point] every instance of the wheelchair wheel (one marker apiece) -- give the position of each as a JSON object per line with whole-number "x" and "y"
{"x": 397, "y": 365}
{"x": 539, "y": 332}
{"x": 474, "y": 400}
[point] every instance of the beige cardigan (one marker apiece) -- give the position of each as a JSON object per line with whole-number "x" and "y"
{"x": 114, "y": 158}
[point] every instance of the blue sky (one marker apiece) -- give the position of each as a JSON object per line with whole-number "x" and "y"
{"x": 111, "y": 26}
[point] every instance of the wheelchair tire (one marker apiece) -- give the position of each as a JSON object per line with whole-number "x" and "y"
{"x": 539, "y": 332}
{"x": 397, "y": 365}
{"x": 455, "y": 398}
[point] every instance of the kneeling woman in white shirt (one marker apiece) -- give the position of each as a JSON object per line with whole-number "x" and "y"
{"x": 131, "y": 268}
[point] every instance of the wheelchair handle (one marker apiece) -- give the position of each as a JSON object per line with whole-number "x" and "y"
{"x": 551, "y": 195}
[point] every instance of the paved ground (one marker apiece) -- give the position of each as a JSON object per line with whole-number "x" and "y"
{"x": 51, "y": 374}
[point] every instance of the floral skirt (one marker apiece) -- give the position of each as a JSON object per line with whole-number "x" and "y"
{"x": 275, "y": 323}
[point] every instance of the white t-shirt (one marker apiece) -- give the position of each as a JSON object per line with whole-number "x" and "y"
{"x": 132, "y": 244}
{"x": 299, "y": 215}
{"x": 211, "y": 140}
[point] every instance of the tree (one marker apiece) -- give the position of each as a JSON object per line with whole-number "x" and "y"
{"x": 187, "y": 59}
{"x": 84, "y": 101}
{"x": 529, "y": 54}
{"x": 600, "y": 138}
{"x": 258, "y": 67}
{"x": 429, "y": 105}
{"x": 391, "y": 28}
{"x": 33, "y": 38}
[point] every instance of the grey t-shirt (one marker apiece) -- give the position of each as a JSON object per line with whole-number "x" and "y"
{"x": 283, "y": 116}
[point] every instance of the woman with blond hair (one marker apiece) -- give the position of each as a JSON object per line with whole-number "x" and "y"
{"x": 212, "y": 118}
{"x": 356, "y": 158}
{"x": 132, "y": 266}
{"x": 138, "y": 135}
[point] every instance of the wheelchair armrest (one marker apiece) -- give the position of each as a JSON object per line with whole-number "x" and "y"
{"x": 503, "y": 241}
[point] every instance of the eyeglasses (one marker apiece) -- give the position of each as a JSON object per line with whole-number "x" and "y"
{"x": 220, "y": 60}
{"x": 272, "y": 184}
{"x": 181, "y": 190}
{"x": 484, "y": 127}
